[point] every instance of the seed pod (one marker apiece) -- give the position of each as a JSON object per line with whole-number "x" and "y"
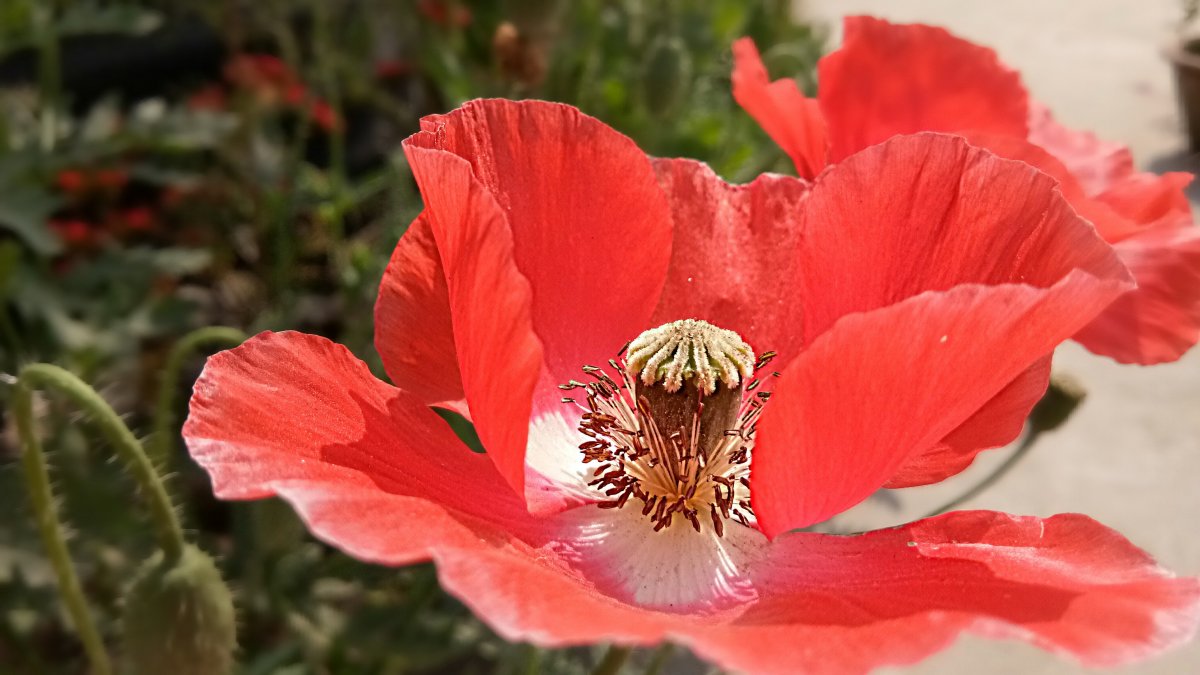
{"x": 667, "y": 75}
{"x": 1062, "y": 397}
{"x": 179, "y": 618}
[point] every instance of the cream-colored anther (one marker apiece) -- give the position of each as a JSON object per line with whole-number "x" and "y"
{"x": 690, "y": 349}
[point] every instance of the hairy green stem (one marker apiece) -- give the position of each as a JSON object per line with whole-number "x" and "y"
{"x": 660, "y": 658}
{"x": 613, "y": 659}
{"x": 1023, "y": 449}
{"x": 164, "y": 412}
{"x": 49, "y": 75}
{"x": 326, "y": 51}
{"x": 284, "y": 211}
{"x": 46, "y": 376}
{"x": 41, "y": 496}
{"x": 532, "y": 663}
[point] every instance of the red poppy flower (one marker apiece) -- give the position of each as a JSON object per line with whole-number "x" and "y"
{"x": 138, "y": 218}
{"x": 209, "y": 97}
{"x": 548, "y": 241}
{"x": 896, "y": 79}
{"x": 268, "y": 78}
{"x": 256, "y": 71}
{"x": 324, "y": 116}
{"x": 75, "y": 232}
{"x": 112, "y": 180}
{"x": 445, "y": 13}
{"x": 71, "y": 181}
{"x": 391, "y": 69}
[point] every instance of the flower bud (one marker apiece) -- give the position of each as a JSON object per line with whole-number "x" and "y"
{"x": 179, "y": 618}
{"x": 520, "y": 58}
{"x": 1062, "y": 397}
{"x": 667, "y": 73}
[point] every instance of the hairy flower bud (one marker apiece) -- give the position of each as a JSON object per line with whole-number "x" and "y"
{"x": 179, "y": 618}
{"x": 666, "y": 75}
{"x": 1062, "y": 397}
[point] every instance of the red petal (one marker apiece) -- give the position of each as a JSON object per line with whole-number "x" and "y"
{"x": 1149, "y": 219}
{"x": 882, "y": 386}
{"x": 555, "y": 239}
{"x": 847, "y": 605}
{"x": 1149, "y": 199}
{"x": 287, "y": 407}
{"x": 791, "y": 119}
{"x": 413, "y": 333}
{"x": 1159, "y": 320}
{"x": 375, "y": 473}
{"x": 1110, "y": 224}
{"x": 889, "y": 79}
{"x": 929, "y": 212}
{"x": 997, "y": 423}
{"x": 500, "y": 358}
{"x": 590, "y": 225}
{"x": 734, "y": 258}
{"x": 734, "y": 265}
{"x": 1104, "y": 171}
{"x": 1096, "y": 164}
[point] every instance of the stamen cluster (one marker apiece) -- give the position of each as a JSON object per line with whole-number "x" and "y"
{"x": 680, "y": 447}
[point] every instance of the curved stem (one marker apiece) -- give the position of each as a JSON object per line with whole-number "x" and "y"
{"x": 613, "y": 659}
{"x": 1023, "y": 449}
{"x": 37, "y": 477}
{"x": 159, "y": 446}
{"x": 46, "y": 376}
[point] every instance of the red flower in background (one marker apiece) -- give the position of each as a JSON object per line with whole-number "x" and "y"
{"x": 79, "y": 182}
{"x": 392, "y": 69}
{"x": 71, "y": 181}
{"x": 111, "y": 180}
{"x": 209, "y": 97}
{"x": 76, "y": 232}
{"x": 138, "y": 218}
{"x": 262, "y": 72}
{"x": 445, "y": 13}
{"x": 897, "y": 79}
{"x": 273, "y": 82}
{"x": 548, "y": 242}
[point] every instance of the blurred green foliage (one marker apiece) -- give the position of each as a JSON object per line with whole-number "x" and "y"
{"x": 271, "y": 198}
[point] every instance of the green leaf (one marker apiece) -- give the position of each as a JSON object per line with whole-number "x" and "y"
{"x": 24, "y": 211}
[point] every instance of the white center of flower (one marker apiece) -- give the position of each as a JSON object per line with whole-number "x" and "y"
{"x": 676, "y": 430}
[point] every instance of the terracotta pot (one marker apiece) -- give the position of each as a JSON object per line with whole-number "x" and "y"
{"x": 1185, "y": 59}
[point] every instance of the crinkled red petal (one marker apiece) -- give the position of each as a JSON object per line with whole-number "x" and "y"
{"x": 1149, "y": 220}
{"x": 848, "y": 605}
{"x": 888, "y": 79}
{"x": 791, "y": 119}
{"x": 374, "y": 472}
{"x": 499, "y": 356}
{"x": 884, "y": 386}
{"x": 1110, "y": 224}
{"x": 734, "y": 256}
{"x": 1150, "y": 199}
{"x": 929, "y": 212}
{"x": 997, "y": 423}
{"x": 413, "y": 331}
{"x": 1094, "y": 163}
{"x": 555, "y": 238}
{"x": 1158, "y": 321}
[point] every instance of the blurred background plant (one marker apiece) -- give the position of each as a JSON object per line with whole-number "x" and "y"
{"x": 171, "y": 165}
